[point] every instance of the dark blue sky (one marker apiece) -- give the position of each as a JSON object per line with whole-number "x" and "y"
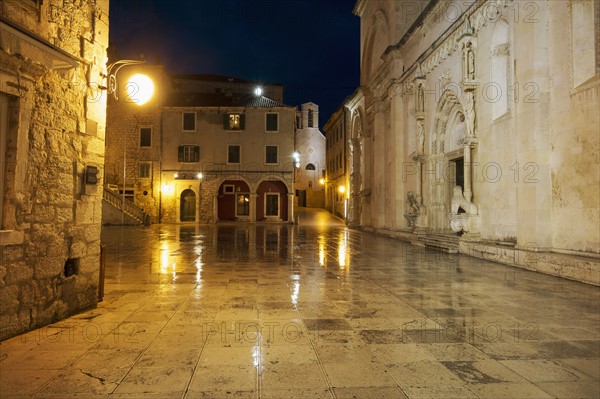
{"x": 310, "y": 46}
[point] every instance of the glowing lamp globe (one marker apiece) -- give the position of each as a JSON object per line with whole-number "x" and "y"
{"x": 140, "y": 89}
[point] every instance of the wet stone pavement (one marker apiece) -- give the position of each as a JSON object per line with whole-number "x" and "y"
{"x": 312, "y": 310}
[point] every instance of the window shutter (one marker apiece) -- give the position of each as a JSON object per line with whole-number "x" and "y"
{"x": 242, "y": 121}
{"x": 225, "y": 121}
{"x": 180, "y": 153}
{"x": 196, "y": 153}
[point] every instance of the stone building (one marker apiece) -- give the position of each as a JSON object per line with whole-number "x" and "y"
{"x": 207, "y": 148}
{"x": 476, "y": 129}
{"x": 337, "y": 181}
{"x": 310, "y": 147}
{"x": 52, "y": 126}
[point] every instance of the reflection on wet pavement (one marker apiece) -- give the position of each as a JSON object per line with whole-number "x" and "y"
{"x": 312, "y": 310}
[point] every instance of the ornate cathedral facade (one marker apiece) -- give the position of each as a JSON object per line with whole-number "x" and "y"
{"x": 476, "y": 129}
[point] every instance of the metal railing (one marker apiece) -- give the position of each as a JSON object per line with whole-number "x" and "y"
{"x": 123, "y": 204}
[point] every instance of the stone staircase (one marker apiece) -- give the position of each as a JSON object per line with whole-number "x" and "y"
{"x": 442, "y": 242}
{"x": 118, "y": 211}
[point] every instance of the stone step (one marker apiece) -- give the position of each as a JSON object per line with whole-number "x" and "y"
{"x": 442, "y": 242}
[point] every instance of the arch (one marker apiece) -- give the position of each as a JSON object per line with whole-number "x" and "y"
{"x": 444, "y": 141}
{"x": 375, "y": 45}
{"x": 228, "y": 195}
{"x": 357, "y": 125}
{"x": 254, "y": 187}
{"x": 233, "y": 176}
{"x": 456, "y": 130}
{"x": 272, "y": 199}
{"x": 448, "y": 105}
{"x": 187, "y": 206}
{"x": 310, "y": 166}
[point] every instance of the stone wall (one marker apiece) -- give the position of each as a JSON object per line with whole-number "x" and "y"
{"x": 51, "y": 58}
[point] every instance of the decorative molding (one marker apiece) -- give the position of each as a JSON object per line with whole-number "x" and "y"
{"x": 471, "y": 22}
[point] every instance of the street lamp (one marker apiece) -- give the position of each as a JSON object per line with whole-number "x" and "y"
{"x": 140, "y": 89}
{"x": 111, "y": 75}
{"x": 296, "y": 156}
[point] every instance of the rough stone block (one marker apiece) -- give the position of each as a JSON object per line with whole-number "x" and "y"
{"x": 89, "y": 265}
{"x": 50, "y": 267}
{"x": 17, "y": 273}
{"x": 92, "y": 233}
{"x": 10, "y": 253}
{"x": 64, "y": 215}
{"x": 78, "y": 250}
{"x": 93, "y": 249}
{"x": 85, "y": 212}
{"x": 9, "y": 299}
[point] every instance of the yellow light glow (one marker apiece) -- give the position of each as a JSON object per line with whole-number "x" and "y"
{"x": 322, "y": 251}
{"x": 199, "y": 175}
{"x": 295, "y": 292}
{"x": 164, "y": 258}
{"x": 140, "y": 89}
{"x": 343, "y": 255}
{"x": 322, "y": 182}
{"x": 342, "y": 189}
{"x": 168, "y": 189}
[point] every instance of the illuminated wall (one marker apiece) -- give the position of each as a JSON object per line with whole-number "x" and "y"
{"x": 53, "y": 116}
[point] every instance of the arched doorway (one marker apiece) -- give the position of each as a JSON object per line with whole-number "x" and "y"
{"x": 187, "y": 206}
{"x": 233, "y": 200}
{"x": 272, "y": 200}
{"x": 446, "y": 158}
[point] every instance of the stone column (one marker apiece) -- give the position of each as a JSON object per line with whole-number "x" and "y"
{"x": 468, "y": 45}
{"x": 354, "y": 202}
{"x": 291, "y": 207}
{"x": 215, "y": 208}
{"x": 419, "y": 90}
{"x": 467, "y": 192}
{"x": 252, "y": 210}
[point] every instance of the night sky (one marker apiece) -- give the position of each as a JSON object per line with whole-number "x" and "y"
{"x": 310, "y": 46}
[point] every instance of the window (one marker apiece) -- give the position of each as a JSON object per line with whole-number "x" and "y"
{"x": 228, "y": 189}
{"x": 272, "y": 204}
{"x": 271, "y": 154}
{"x": 272, "y": 122}
{"x": 233, "y": 121}
{"x": 145, "y": 137}
{"x": 188, "y": 153}
{"x": 310, "y": 166}
{"x": 144, "y": 170}
{"x": 310, "y": 118}
{"x": 243, "y": 205}
{"x": 189, "y": 121}
{"x": 233, "y": 154}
